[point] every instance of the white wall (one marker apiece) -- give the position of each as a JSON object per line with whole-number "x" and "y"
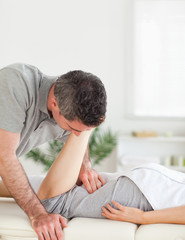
{"x": 62, "y": 35}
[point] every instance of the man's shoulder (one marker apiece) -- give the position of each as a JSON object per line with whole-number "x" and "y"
{"x": 23, "y": 68}
{"x": 21, "y": 74}
{"x": 18, "y": 66}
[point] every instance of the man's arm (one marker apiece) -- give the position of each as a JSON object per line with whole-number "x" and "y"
{"x": 91, "y": 179}
{"x": 47, "y": 226}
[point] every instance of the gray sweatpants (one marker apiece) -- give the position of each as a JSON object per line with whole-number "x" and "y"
{"x": 79, "y": 203}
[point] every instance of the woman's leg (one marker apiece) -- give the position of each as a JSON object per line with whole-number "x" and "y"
{"x": 64, "y": 171}
{"x": 79, "y": 203}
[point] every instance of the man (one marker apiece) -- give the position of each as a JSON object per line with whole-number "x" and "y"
{"x": 36, "y": 108}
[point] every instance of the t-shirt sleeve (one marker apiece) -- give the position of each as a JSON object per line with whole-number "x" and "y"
{"x": 13, "y": 100}
{"x": 63, "y": 138}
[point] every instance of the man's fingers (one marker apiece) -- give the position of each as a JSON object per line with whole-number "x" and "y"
{"x": 53, "y": 234}
{"x": 63, "y": 221}
{"x": 40, "y": 236}
{"x": 59, "y": 233}
{"x": 49, "y": 232}
{"x": 96, "y": 181}
{"x": 42, "y": 233}
{"x": 58, "y": 228}
{"x": 87, "y": 185}
{"x": 101, "y": 179}
{"x": 48, "y": 226}
{"x": 91, "y": 179}
{"x": 93, "y": 183}
{"x": 98, "y": 184}
{"x": 47, "y": 236}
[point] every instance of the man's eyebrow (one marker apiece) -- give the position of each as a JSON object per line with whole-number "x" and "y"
{"x": 73, "y": 128}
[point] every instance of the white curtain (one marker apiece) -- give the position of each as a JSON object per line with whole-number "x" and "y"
{"x": 158, "y": 59}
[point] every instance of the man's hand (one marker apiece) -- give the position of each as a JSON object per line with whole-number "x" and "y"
{"x": 49, "y": 226}
{"x": 91, "y": 179}
{"x": 88, "y": 176}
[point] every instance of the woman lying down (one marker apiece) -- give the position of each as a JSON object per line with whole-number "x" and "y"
{"x": 147, "y": 194}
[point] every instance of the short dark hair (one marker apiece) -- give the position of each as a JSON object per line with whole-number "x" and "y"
{"x": 81, "y": 96}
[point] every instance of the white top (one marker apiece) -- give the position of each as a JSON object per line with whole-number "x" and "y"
{"x": 163, "y": 187}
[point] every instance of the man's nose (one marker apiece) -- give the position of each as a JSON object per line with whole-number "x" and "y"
{"x": 76, "y": 133}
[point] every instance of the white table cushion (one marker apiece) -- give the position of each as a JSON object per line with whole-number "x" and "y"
{"x": 14, "y": 225}
{"x": 161, "y": 232}
{"x": 99, "y": 229}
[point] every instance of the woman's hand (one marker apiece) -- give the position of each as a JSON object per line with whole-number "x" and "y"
{"x": 129, "y": 214}
{"x": 122, "y": 213}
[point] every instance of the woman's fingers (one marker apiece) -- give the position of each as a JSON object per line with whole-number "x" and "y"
{"x": 123, "y": 213}
{"x": 108, "y": 214}
{"x": 112, "y": 213}
{"x": 119, "y": 206}
{"x": 111, "y": 209}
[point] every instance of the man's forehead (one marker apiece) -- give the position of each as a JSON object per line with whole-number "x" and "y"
{"x": 73, "y": 128}
{"x": 77, "y": 126}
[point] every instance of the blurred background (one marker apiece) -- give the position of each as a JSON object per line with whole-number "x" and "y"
{"x": 136, "y": 47}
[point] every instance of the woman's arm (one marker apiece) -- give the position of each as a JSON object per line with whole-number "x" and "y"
{"x": 134, "y": 215}
{"x": 64, "y": 171}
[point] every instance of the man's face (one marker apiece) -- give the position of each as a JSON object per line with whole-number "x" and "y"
{"x": 72, "y": 126}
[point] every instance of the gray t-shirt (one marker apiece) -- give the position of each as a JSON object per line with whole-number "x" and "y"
{"x": 23, "y": 106}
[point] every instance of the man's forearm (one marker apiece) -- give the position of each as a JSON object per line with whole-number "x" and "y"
{"x": 85, "y": 164}
{"x": 18, "y": 185}
{"x": 86, "y": 160}
{"x": 91, "y": 179}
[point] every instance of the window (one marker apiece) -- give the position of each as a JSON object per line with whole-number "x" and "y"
{"x": 157, "y": 82}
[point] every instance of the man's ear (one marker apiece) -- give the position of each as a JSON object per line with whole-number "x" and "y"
{"x": 54, "y": 105}
{"x": 54, "y": 102}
